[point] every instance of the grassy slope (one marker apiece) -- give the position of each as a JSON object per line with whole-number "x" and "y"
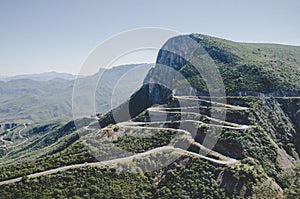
{"x": 262, "y": 68}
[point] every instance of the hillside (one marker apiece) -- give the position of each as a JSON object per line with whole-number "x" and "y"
{"x": 170, "y": 140}
{"x": 262, "y": 155}
{"x": 271, "y": 69}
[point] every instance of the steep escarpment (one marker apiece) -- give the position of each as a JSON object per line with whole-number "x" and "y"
{"x": 263, "y": 134}
{"x": 262, "y": 70}
{"x": 158, "y": 85}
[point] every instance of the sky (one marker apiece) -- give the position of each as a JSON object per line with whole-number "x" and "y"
{"x": 57, "y": 35}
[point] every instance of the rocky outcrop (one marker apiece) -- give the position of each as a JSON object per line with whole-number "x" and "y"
{"x": 232, "y": 185}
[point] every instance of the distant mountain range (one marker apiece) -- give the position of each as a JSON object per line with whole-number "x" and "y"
{"x": 46, "y": 96}
{"x": 40, "y": 77}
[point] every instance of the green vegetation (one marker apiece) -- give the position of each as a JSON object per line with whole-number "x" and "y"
{"x": 256, "y": 147}
{"x": 189, "y": 177}
{"x": 196, "y": 179}
{"x": 37, "y": 139}
{"x": 141, "y": 144}
{"x": 81, "y": 183}
{"x": 263, "y": 68}
{"x": 74, "y": 154}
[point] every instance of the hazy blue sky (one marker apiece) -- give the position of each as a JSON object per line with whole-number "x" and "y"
{"x": 40, "y": 35}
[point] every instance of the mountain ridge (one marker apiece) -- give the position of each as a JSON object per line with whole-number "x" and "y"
{"x": 53, "y": 98}
{"x": 45, "y": 76}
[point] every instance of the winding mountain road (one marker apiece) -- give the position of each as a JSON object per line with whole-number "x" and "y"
{"x": 166, "y": 110}
{"x": 21, "y": 136}
{"x": 119, "y": 160}
{"x": 139, "y": 125}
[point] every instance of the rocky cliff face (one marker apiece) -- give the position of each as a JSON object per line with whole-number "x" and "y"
{"x": 176, "y": 52}
{"x": 291, "y": 109}
{"x": 174, "y": 55}
{"x": 158, "y": 85}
